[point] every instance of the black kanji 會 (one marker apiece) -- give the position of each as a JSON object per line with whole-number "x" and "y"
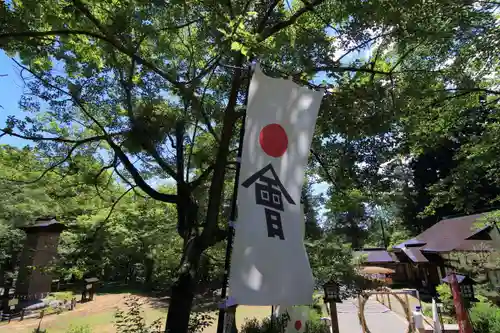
{"x": 274, "y": 226}
{"x": 269, "y": 192}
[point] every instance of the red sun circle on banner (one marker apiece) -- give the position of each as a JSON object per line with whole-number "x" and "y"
{"x": 298, "y": 325}
{"x": 273, "y": 140}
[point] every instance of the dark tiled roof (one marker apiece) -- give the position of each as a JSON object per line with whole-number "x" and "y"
{"x": 410, "y": 243}
{"x": 450, "y": 234}
{"x": 46, "y": 223}
{"x": 415, "y": 255}
{"x": 43, "y": 222}
{"x": 482, "y": 234}
{"x": 377, "y": 256}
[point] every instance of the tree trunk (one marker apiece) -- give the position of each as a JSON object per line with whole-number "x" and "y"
{"x": 182, "y": 295}
{"x": 149, "y": 266}
{"x": 181, "y": 301}
{"x": 183, "y": 290}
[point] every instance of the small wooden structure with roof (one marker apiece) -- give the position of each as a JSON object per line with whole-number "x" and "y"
{"x": 39, "y": 253}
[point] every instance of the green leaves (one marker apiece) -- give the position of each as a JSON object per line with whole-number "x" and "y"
{"x": 236, "y": 46}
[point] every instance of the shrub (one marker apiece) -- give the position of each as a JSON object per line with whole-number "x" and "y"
{"x": 446, "y": 298}
{"x": 314, "y": 325}
{"x": 40, "y": 330}
{"x": 79, "y": 329}
{"x": 427, "y": 311}
{"x": 61, "y": 296}
{"x": 485, "y": 318}
{"x": 132, "y": 321}
{"x": 198, "y": 321}
{"x": 317, "y": 304}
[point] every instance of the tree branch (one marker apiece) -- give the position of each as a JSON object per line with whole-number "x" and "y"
{"x": 182, "y": 25}
{"x": 488, "y": 91}
{"x": 217, "y": 184}
{"x": 126, "y": 181}
{"x": 191, "y": 147}
{"x": 58, "y": 32}
{"x": 463, "y": 92}
{"x": 52, "y": 167}
{"x": 179, "y": 85}
{"x": 348, "y": 69}
{"x": 268, "y": 13}
{"x": 112, "y": 208}
{"x": 266, "y": 33}
{"x": 207, "y": 121}
{"x": 8, "y": 131}
{"x": 113, "y": 41}
{"x": 323, "y": 166}
{"x": 357, "y": 47}
{"x": 188, "y": 94}
{"x": 161, "y": 162}
{"x": 118, "y": 151}
{"x": 197, "y": 182}
{"x": 100, "y": 172}
{"x": 171, "y": 198}
{"x": 75, "y": 99}
{"x": 104, "y": 38}
{"x": 404, "y": 55}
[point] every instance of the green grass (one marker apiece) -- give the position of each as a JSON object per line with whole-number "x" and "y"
{"x": 61, "y": 296}
{"x": 102, "y": 320}
{"x": 98, "y": 322}
{"x": 93, "y": 321}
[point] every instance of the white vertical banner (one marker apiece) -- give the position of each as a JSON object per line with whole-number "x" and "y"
{"x": 269, "y": 263}
{"x": 298, "y": 317}
{"x": 435, "y": 317}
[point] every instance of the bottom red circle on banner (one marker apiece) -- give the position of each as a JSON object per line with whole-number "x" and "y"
{"x": 298, "y": 325}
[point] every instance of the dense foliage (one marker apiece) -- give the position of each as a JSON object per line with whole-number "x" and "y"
{"x": 133, "y": 110}
{"x": 485, "y": 318}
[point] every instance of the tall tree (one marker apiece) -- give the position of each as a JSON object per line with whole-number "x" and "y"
{"x": 311, "y": 203}
{"x": 441, "y": 69}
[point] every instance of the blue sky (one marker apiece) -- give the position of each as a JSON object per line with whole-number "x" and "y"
{"x": 11, "y": 88}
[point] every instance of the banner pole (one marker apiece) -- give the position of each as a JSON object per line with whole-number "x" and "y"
{"x": 232, "y": 215}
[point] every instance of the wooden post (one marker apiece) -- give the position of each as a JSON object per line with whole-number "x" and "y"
{"x": 389, "y": 301}
{"x": 334, "y": 317}
{"x": 229, "y": 319}
{"x": 460, "y": 310}
{"x": 408, "y": 311}
{"x": 360, "y": 304}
